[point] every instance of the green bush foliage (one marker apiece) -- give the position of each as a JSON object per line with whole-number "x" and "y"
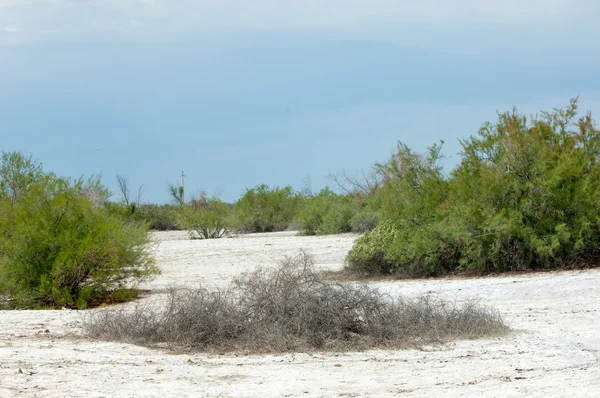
{"x": 328, "y": 213}
{"x": 205, "y": 218}
{"x": 158, "y": 217}
{"x": 369, "y": 251}
{"x": 264, "y": 209}
{"x": 365, "y": 220}
{"x": 59, "y": 245}
{"x": 526, "y": 195}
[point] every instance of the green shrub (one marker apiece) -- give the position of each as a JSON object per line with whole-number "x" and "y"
{"x": 365, "y": 220}
{"x": 328, "y": 213}
{"x": 264, "y": 209}
{"x": 158, "y": 217}
{"x": 369, "y": 251}
{"x": 529, "y": 192}
{"x": 17, "y": 174}
{"x": 338, "y": 219}
{"x": 205, "y": 218}
{"x": 525, "y": 195}
{"x": 59, "y": 246}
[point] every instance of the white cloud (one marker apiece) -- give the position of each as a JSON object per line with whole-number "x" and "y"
{"x": 349, "y": 16}
{"x": 381, "y": 19}
{"x": 10, "y": 29}
{"x": 7, "y": 3}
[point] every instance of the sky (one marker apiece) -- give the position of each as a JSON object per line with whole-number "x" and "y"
{"x": 238, "y": 93}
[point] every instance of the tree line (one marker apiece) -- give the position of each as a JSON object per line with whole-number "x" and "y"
{"x": 524, "y": 195}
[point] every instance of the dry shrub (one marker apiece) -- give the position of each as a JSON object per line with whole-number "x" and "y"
{"x": 291, "y": 308}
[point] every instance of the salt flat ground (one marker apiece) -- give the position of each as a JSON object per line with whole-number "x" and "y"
{"x": 554, "y": 351}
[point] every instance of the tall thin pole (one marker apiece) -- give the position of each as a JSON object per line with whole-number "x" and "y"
{"x": 182, "y": 188}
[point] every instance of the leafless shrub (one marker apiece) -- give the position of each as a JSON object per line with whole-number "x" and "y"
{"x": 291, "y": 308}
{"x": 307, "y": 190}
{"x": 124, "y": 189}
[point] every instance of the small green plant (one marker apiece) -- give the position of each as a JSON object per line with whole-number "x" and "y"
{"x": 177, "y": 193}
{"x": 205, "y": 218}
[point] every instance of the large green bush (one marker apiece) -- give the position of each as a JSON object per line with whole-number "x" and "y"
{"x": 59, "y": 245}
{"x": 264, "y": 209}
{"x": 530, "y": 192}
{"x": 525, "y": 195}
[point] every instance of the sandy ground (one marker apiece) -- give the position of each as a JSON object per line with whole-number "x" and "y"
{"x": 555, "y": 350}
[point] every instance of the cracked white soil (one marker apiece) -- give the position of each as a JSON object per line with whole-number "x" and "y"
{"x": 554, "y": 351}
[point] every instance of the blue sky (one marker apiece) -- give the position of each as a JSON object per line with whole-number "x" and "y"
{"x": 239, "y": 93}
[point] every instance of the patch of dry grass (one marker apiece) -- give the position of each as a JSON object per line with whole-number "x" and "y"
{"x": 292, "y": 308}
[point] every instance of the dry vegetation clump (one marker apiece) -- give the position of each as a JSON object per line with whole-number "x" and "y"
{"x": 291, "y": 308}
